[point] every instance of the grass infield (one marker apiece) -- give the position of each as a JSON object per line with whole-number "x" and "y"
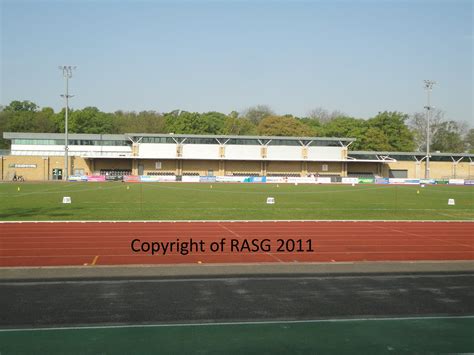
{"x": 435, "y": 335}
{"x": 204, "y": 201}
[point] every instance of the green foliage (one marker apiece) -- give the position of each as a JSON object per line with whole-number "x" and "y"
{"x": 257, "y": 113}
{"x": 195, "y": 123}
{"x": 90, "y": 120}
{"x": 315, "y": 125}
{"x": 239, "y": 126}
{"x": 469, "y": 141}
{"x": 21, "y": 106}
{"x": 24, "y": 117}
{"x": 347, "y": 127}
{"x": 283, "y": 126}
{"x": 387, "y": 131}
{"x": 393, "y": 125}
{"x": 448, "y": 138}
{"x": 143, "y": 122}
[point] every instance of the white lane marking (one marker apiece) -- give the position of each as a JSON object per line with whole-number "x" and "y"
{"x": 241, "y": 238}
{"x": 227, "y": 279}
{"x": 276, "y": 322}
{"x": 254, "y": 220}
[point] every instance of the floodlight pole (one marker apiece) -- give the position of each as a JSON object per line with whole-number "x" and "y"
{"x": 428, "y": 87}
{"x": 67, "y": 73}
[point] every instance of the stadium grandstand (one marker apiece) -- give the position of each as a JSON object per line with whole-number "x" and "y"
{"x": 40, "y": 157}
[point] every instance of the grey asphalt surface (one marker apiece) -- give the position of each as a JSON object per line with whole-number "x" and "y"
{"x": 196, "y": 299}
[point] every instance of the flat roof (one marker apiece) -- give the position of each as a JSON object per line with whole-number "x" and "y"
{"x": 171, "y": 135}
{"x": 23, "y": 135}
{"x": 126, "y": 136}
{"x": 435, "y": 154}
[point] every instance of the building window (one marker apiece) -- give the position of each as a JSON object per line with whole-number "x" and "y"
{"x": 324, "y": 167}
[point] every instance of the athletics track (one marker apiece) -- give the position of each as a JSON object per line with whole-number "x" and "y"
{"x": 109, "y": 243}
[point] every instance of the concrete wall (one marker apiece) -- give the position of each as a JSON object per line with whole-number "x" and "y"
{"x": 281, "y": 167}
{"x": 326, "y": 153}
{"x": 317, "y": 168}
{"x": 38, "y": 172}
{"x": 367, "y": 168}
{"x": 167, "y": 166}
{"x": 438, "y": 169}
{"x": 43, "y": 167}
{"x": 232, "y": 167}
{"x": 157, "y": 151}
{"x": 200, "y": 166}
{"x": 78, "y": 150}
{"x": 249, "y": 152}
{"x": 201, "y": 151}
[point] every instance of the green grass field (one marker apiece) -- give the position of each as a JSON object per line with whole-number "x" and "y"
{"x": 183, "y": 201}
{"x": 435, "y": 335}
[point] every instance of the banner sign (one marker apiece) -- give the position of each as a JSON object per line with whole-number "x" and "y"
{"x": 323, "y": 180}
{"x": 131, "y": 178}
{"x": 468, "y": 182}
{"x": 456, "y": 181}
{"x": 157, "y": 178}
{"x": 381, "y": 180}
{"x": 207, "y": 179}
{"x": 404, "y": 181}
{"x": 275, "y": 179}
{"x": 96, "y": 178}
{"x": 77, "y": 178}
{"x": 113, "y": 178}
{"x": 230, "y": 178}
{"x": 366, "y": 180}
{"x": 302, "y": 180}
{"x": 350, "y": 180}
{"x": 186, "y": 178}
{"x": 20, "y": 166}
{"x": 441, "y": 181}
{"x": 427, "y": 181}
{"x": 256, "y": 179}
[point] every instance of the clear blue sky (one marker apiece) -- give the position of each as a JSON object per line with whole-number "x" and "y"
{"x": 359, "y": 57}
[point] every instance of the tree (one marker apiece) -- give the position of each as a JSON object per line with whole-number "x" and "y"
{"x": 283, "y": 126}
{"x": 239, "y": 126}
{"x": 448, "y": 138}
{"x": 143, "y": 122}
{"x": 323, "y": 116}
{"x": 418, "y": 125}
{"x": 314, "y": 125}
{"x": 21, "y": 106}
{"x": 195, "y": 123}
{"x": 91, "y": 120}
{"x": 469, "y": 141}
{"x": 343, "y": 127}
{"x": 23, "y": 116}
{"x": 256, "y": 114}
{"x": 375, "y": 139}
{"x": 393, "y": 125}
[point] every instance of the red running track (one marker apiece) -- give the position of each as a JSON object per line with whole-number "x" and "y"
{"x": 108, "y": 243}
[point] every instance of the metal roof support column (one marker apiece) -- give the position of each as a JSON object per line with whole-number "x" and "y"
{"x": 455, "y": 164}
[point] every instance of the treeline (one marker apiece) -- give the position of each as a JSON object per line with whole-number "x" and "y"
{"x": 387, "y": 131}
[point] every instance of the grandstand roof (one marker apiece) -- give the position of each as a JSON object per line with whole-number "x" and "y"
{"x": 435, "y": 154}
{"x": 14, "y": 135}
